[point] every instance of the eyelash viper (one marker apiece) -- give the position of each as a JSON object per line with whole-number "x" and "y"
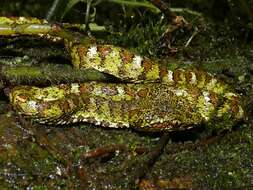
{"x": 150, "y": 97}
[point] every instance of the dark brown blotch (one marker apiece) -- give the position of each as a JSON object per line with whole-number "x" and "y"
{"x": 126, "y": 56}
{"x": 214, "y": 98}
{"x": 22, "y": 98}
{"x": 129, "y": 91}
{"x": 163, "y": 71}
{"x": 143, "y": 92}
{"x": 177, "y": 75}
{"x": 194, "y": 92}
{"x": 147, "y": 64}
{"x": 82, "y": 53}
{"x": 104, "y": 51}
{"x": 234, "y": 105}
{"x": 188, "y": 75}
{"x": 86, "y": 88}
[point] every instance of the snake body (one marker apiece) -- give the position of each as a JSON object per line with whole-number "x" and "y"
{"x": 150, "y": 97}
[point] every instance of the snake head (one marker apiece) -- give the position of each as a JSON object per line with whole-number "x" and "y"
{"x": 45, "y": 105}
{"x": 41, "y": 104}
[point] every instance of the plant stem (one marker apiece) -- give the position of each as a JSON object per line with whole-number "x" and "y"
{"x": 52, "y": 10}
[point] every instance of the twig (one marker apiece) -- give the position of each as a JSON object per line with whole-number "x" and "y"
{"x": 164, "y": 8}
{"x": 152, "y": 157}
{"x": 107, "y": 150}
{"x": 196, "y": 31}
{"x": 142, "y": 168}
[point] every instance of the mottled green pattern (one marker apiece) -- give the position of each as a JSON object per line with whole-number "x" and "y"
{"x": 150, "y": 106}
{"x": 152, "y": 97}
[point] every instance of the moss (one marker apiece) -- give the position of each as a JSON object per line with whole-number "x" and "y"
{"x": 40, "y": 187}
{"x": 153, "y": 73}
{"x": 32, "y": 72}
{"x": 113, "y": 60}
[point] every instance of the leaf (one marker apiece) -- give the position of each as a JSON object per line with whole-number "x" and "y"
{"x": 133, "y": 3}
{"x": 137, "y": 3}
{"x": 70, "y": 4}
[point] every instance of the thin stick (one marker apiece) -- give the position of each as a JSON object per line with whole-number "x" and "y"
{"x": 142, "y": 168}
{"x": 192, "y": 36}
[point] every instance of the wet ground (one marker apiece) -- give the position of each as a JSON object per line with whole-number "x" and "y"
{"x": 88, "y": 157}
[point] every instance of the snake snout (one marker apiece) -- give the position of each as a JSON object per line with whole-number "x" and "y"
{"x": 22, "y": 103}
